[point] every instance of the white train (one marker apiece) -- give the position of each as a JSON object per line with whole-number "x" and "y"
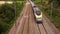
{"x": 37, "y": 13}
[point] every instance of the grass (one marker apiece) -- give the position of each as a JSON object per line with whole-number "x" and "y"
{"x": 55, "y": 18}
{"x": 19, "y": 5}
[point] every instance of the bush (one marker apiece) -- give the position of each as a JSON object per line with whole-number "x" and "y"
{"x": 7, "y": 14}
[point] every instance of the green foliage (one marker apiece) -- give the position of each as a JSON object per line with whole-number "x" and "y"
{"x": 19, "y": 5}
{"x": 55, "y": 2}
{"x": 7, "y": 14}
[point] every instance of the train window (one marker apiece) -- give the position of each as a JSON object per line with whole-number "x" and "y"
{"x": 38, "y": 12}
{"x": 34, "y": 6}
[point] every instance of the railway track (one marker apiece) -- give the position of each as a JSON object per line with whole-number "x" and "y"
{"x": 26, "y": 23}
{"x": 41, "y": 28}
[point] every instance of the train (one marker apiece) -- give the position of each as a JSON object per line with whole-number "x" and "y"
{"x": 37, "y": 13}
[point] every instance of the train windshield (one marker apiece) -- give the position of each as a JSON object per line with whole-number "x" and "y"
{"x": 34, "y": 6}
{"x": 38, "y": 12}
